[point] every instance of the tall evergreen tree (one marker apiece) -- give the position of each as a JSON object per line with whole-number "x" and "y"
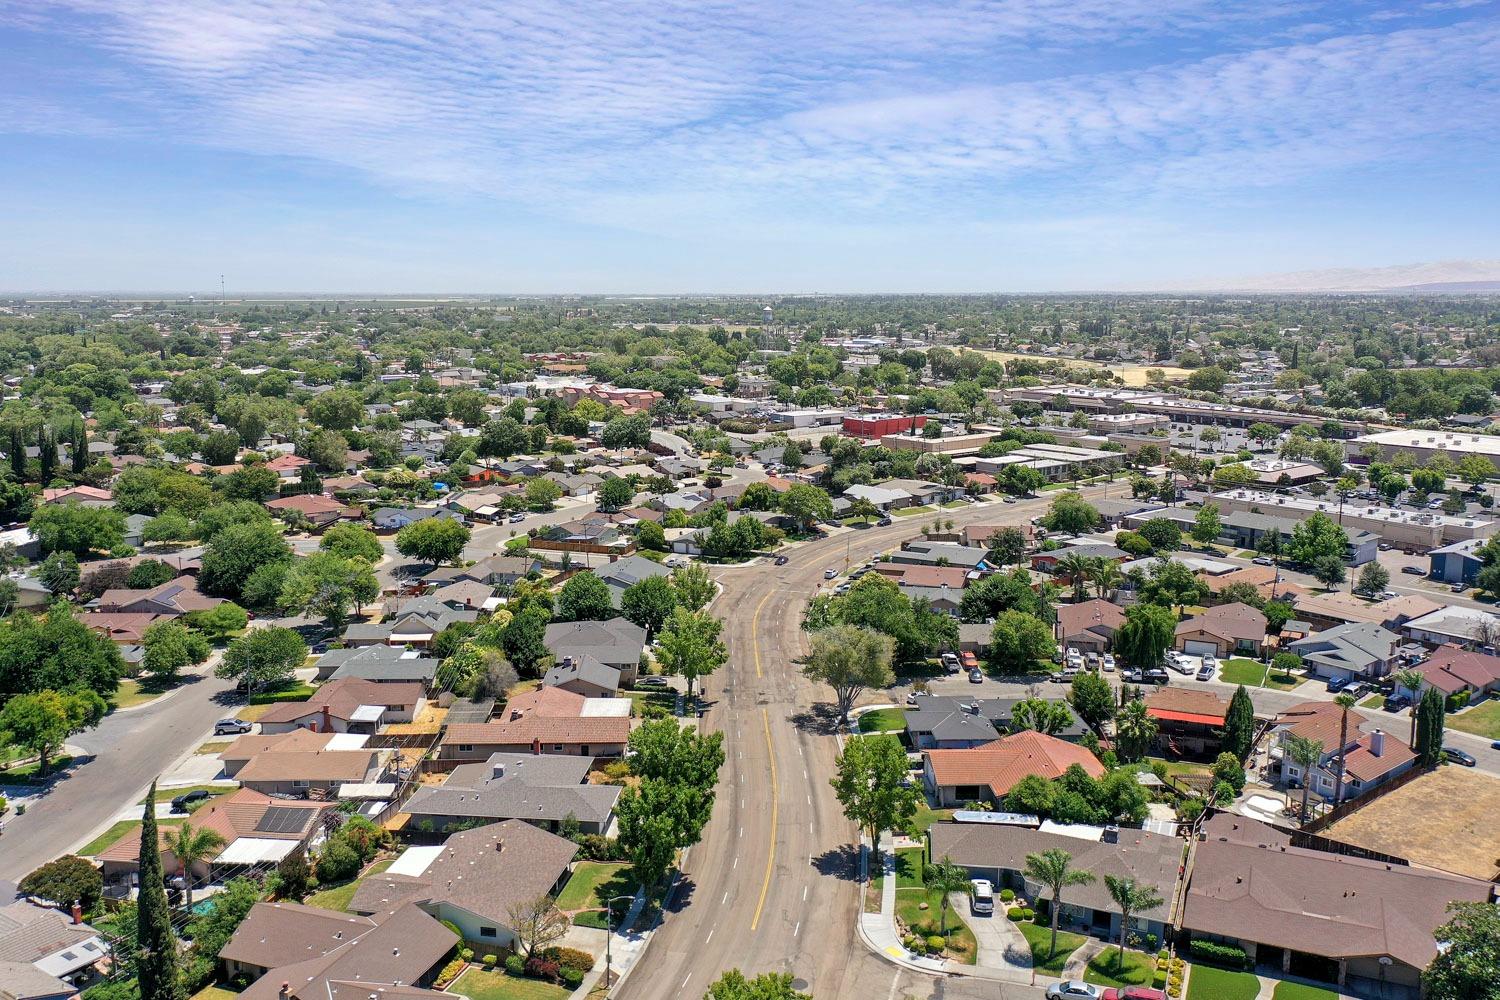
{"x": 1430, "y": 720}
{"x": 46, "y": 454}
{"x": 18, "y": 454}
{"x": 156, "y": 955}
{"x": 80, "y": 447}
{"x": 1239, "y": 724}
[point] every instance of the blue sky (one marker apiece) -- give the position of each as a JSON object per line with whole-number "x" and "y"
{"x": 838, "y": 145}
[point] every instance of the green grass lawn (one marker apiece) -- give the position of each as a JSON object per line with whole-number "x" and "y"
{"x": 925, "y": 817}
{"x": 117, "y": 830}
{"x": 909, "y": 862}
{"x": 292, "y": 692}
{"x": 1286, "y": 990}
{"x": 1134, "y": 969}
{"x": 1039, "y": 936}
{"x": 961, "y": 944}
{"x": 951, "y": 504}
{"x": 1208, "y": 983}
{"x": 1243, "y": 671}
{"x": 132, "y": 692}
{"x": 665, "y": 697}
{"x": 494, "y": 984}
{"x": 592, "y": 882}
{"x": 1374, "y": 701}
{"x": 168, "y": 794}
{"x": 883, "y": 720}
{"x": 338, "y": 897}
{"x": 212, "y": 992}
{"x": 914, "y": 511}
{"x": 1482, "y": 720}
{"x": 1180, "y": 766}
{"x": 213, "y": 746}
{"x": 29, "y": 772}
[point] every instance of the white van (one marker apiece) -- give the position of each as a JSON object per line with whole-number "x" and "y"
{"x": 981, "y": 897}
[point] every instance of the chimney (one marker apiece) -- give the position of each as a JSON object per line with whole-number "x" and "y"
{"x": 536, "y": 746}
{"x": 1111, "y": 834}
{"x": 327, "y": 720}
{"x": 286, "y": 990}
{"x": 499, "y": 847}
{"x": 77, "y": 913}
{"x": 1377, "y": 743}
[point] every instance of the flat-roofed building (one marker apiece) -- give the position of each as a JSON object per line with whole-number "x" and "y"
{"x": 1420, "y": 530}
{"x": 1422, "y": 445}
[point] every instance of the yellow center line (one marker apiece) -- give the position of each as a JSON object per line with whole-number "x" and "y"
{"x": 765, "y": 884}
{"x": 754, "y": 631}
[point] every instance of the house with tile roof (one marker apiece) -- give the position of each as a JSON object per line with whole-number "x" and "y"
{"x": 986, "y": 773}
{"x": 1452, "y": 670}
{"x": 321, "y": 510}
{"x": 1370, "y": 757}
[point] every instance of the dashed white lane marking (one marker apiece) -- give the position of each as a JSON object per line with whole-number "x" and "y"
{"x": 736, "y": 863}
{"x": 742, "y": 831}
{"x": 804, "y": 894}
{"x": 685, "y": 981}
{"x": 798, "y": 929}
{"x": 725, "y": 899}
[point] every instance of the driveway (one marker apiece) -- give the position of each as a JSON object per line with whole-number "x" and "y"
{"x": 1001, "y": 945}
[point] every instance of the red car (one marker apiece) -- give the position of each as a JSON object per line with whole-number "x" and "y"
{"x": 968, "y": 660}
{"x": 1133, "y": 993}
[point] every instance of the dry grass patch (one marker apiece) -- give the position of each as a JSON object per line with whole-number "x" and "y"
{"x": 1445, "y": 819}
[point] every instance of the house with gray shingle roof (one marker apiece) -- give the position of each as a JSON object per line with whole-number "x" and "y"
{"x": 541, "y": 789}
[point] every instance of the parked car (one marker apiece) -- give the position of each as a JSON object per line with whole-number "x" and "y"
{"x": 968, "y": 660}
{"x": 1133, "y": 993}
{"x": 1205, "y": 672}
{"x": 1495, "y": 745}
{"x": 1109, "y": 663}
{"x": 653, "y": 681}
{"x": 1092, "y": 660}
{"x": 981, "y": 897}
{"x": 912, "y": 696}
{"x": 1156, "y": 675}
{"x": 184, "y": 803}
{"x": 782, "y": 560}
{"x": 1458, "y": 588}
{"x": 1263, "y": 561}
{"x": 884, "y": 522}
{"x": 1412, "y": 570}
{"x": 976, "y": 676}
{"x": 232, "y": 727}
{"x": 1337, "y": 684}
{"x": 1388, "y": 595}
{"x": 1074, "y": 989}
{"x": 1396, "y": 702}
{"x": 517, "y": 518}
{"x": 1459, "y": 757}
{"x": 950, "y": 662}
{"x": 1057, "y": 656}
{"x": 1132, "y": 676}
{"x": 830, "y": 573}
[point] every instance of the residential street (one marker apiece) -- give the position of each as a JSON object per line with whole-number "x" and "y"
{"x": 772, "y": 885}
{"x": 128, "y": 749}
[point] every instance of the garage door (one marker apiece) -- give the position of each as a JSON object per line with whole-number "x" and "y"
{"x": 1197, "y": 647}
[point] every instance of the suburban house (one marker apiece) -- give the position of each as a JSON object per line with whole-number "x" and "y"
{"x": 240, "y": 752}
{"x": 1364, "y": 925}
{"x": 46, "y": 947}
{"x": 1089, "y": 626}
{"x": 986, "y": 773}
{"x": 585, "y": 676}
{"x": 938, "y": 722}
{"x": 998, "y": 853}
{"x": 381, "y": 664}
{"x": 496, "y": 571}
{"x": 616, "y": 643}
{"x": 257, "y": 829}
{"x": 922, "y": 552}
{"x": 396, "y": 518}
{"x": 317, "y": 774}
{"x": 1189, "y": 722}
{"x": 540, "y": 789}
{"x": 622, "y": 573}
{"x": 1370, "y": 756}
{"x": 1338, "y": 608}
{"x": 297, "y": 952}
{"x": 320, "y": 510}
{"x": 1452, "y": 670}
{"x": 288, "y": 466}
{"x": 173, "y": 598}
{"x": 1456, "y": 624}
{"x": 83, "y": 496}
{"x": 1458, "y": 562}
{"x": 417, "y": 623}
{"x": 1223, "y": 630}
{"x": 549, "y": 720}
{"x": 474, "y": 879}
{"x": 348, "y": 706}
{"x": 884, "y": 499}
{"x": 1046, "y": 562}
{"x": 1355, "y": 651}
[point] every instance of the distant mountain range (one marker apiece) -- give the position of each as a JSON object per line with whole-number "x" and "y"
{"x": 1437, "y": 277}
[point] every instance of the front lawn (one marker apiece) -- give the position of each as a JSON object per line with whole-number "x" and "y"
{"x": 883, "y": 720}
{"x": 338, "y": 897}
{"x": 1208, "y": 983}
{"x": 494, "y": 984}
{"x": 1243, "y": 671}
{"x": 1287, "y": 990}
{"x": 108, "y": 838}
{"x": 961, "y": 944}
{"x": 592, "y": 882}
{"x": 168, "y": 794}
{"x": 1109, "y": 969}
{"x": 212, "y": 992}
{"x": 1039, "y": 936}
{"x": 29, "y": 773}
{"x": 1374, "y": 701}
{"x": 213, "y": 746}
{"x": 131, "y": 692}
{"x": 925, "y": 817}
{"x": 292, "y": 692}
{"x": 914, "y": 511}
{"x": 1482, "y": 719}
{"x": 909, "y": 863}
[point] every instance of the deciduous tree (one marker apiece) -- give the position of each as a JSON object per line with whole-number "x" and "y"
{"x": 871, "y": 785}
{"x": 849, "y": 659}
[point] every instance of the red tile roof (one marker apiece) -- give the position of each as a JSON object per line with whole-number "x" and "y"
{"x": 1002, "y": 763}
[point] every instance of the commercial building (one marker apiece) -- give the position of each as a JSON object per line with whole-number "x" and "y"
{"x": 1416, "y": 530}
{"x": 872, "y": 426}
{"x": 1423, "y": 445}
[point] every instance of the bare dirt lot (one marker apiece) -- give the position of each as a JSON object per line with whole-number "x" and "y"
{"x": 1444, "y": 820}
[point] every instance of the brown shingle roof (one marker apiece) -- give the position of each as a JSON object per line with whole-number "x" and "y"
{"x": 309, "y": 765}
{"x": 1187, "y": 700}
{"x": 593, "y": 730}
{"x": 1228, "y": 621}
{"x": 343, "y": 697}
{"x": 1320, "y": 721}
{"x": 1002, "y": 763}
{"x": 1086, "y": 615}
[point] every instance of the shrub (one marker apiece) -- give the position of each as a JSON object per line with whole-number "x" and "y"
{"x": 1006, "y": 895}
{"x": 337, "y": 863}
{"x": 1218, "y": 953}
{"x": 467, "y": 954}
{"x": 450, "y": 972}
{"x": 489, "y": 960}
{"x": 1014, "y": 913}
{"x": 1164, "y": 954}
{"x": 569, "y": 958}
{"x": 936, "y": 943}
{"x": 1150, "y": 942}
{"x": 542, "y": 968}
{"x": 515, "y": 965}
{"x": 571, "y": 978}
{"x": 1027, "y": 913}
{"x": 1158, "y": 979}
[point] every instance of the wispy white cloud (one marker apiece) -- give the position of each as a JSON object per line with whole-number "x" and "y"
{"x": 635, "y": 113}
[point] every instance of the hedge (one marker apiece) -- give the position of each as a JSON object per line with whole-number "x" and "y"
{"x": 1219, "y": 953}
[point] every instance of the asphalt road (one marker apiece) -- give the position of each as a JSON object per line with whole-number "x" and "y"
{"x": 127, "y": 751}
{"x": 772, "y": 885}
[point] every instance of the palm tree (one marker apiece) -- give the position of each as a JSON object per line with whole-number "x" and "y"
{"x": 1135, "y": 729}
{"x": 1050, "y": 869}
{"x": 1412, "y": 681}
{"x": 1074, "y": 568}
{"x": 1344, "y": 702}
{"x": 1305, "y": 753}
{"x": 1105, "y": 575}
{"x": 1131, "y": 897}
{"x": 192, "y": 845}
{"x": 944, "y": 877}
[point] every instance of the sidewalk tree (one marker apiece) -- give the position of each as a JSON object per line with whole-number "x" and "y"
{"x": 1052, "y": 870}
{"x": 192, "y": 845}
{"x": 616, "y": 493}
{"x": 1317, "y": 537}
{"x": 1467, "y": 964}
{"x": 1328, "y": 570}
{"x": 156, "y": 942}
{"x": 648, "y": 603}
{"x": 327, "y": 585}
{"x": 944, "y": 877}
{"x": 542, "y": 493}
{"x": 236, "y": 552}
{"x": 350, "y": 541}
{"x": 433, "y": 540}
{"x": 1018, "y": 640}
{"x": 169, "y": 647}
{"x": 1070, "y": 514}
{"x": 733, "y": 985}
{"x": 1131, "y": 897}
{"x": 849, "y": 659}
{"x": 864, "y": 509}
{"x": 56, "y": 651}
{"x": 871, "y": 784}
{"x": 1239, "y": 724}
{"x": 584, "y": 598}
{"x": 807, "y": 505}
{"x": 219, "y": 622}
{"x": 41, "y": 722}
{"x": 262, "y": 658}
{"x": 656, "y": 818}
{"x": 665, "y": 750}
{"x": 689, "y": 645}
{"x": 694, "y": 586}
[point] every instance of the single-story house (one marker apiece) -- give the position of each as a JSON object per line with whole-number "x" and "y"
{"x": 475, "y": 879}
{"x": 584, "y": 675}
{"x": 1223, "y": 630}
{"x": 1453, "y": 625}
{"x": 1089, "y": 626}
{"x": 1451, "y": 670}
{"x": 175, "y": 597}
{"x": 986, "y": 773}
{"x": 623, "y": 573}
{"x": 396, "y": 518}
{"x": 322, "y": 511}
{"x": 244, "y": 748}
{"x": 1354, "y": 651}
{"x": 310, "y": 773}
{"x": 617, "y": 642}
{"x": 998, "y": 853}
{"x": 45, "y": 942}
{"x": 348, "y": 706}
{"x": 542, "y": 789}
{"x": 549, "y": 720}
{"x": 381, "y": 664}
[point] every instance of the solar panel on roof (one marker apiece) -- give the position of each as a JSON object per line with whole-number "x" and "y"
{"x": 282, "y": 819}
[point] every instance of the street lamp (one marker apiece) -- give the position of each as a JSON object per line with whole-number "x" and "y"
{"x": 609, "y": 933}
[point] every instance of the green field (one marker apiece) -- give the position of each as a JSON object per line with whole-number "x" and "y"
{"x": 1208, "y": 983}
{"x": 168, "y": 794}
{"x": 925, "y": 817}
{"x": 883, "y": 720}
{"x": 292, "y": 692}
{"x": 1040, "y": 938}
{"x": 131, "y": 693}
{"x": 1481, "y": 720}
